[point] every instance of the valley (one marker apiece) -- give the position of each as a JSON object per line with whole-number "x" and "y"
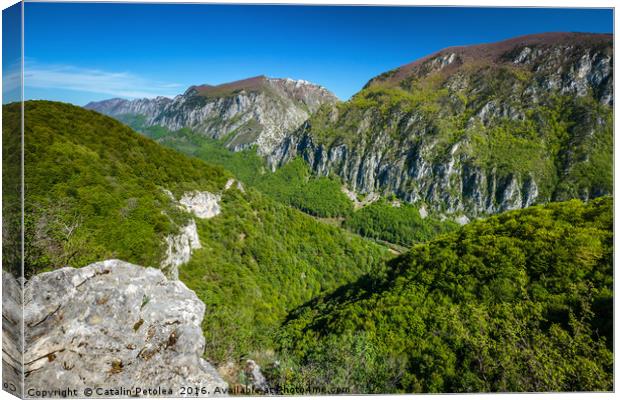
{"x": 447, "y": 229}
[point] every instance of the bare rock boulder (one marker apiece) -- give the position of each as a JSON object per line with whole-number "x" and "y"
{"x": 114, "y": 325}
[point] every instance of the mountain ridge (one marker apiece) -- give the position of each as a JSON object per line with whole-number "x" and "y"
{"x": 467, "y": 130}
{"x": 257, "y": 111}
{"x": 493, "y": 50}
{"x": 467, "y": 136}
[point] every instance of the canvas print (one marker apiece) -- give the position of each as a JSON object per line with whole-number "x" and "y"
{"x": 204, "y": 200}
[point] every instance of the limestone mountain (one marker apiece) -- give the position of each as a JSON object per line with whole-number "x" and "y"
{"x": 475, "y": 130}
{"x": 257, "y": 111}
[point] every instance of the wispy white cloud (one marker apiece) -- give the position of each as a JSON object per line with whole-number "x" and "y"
{"x": 11, "y": 83}
{"x": 12, "y": 79}
{"x": 115, "y": 84}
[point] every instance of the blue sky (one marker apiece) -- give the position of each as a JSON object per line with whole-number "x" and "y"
{"x": 83, "y": 52}
{"x": 11, "y": 53}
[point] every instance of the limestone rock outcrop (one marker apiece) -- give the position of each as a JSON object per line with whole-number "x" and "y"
{"x": 12, "y": 316}
{"x": 113, "y": 325}
{"x": 179, "y": 248}
{"x": 203, "y": 205}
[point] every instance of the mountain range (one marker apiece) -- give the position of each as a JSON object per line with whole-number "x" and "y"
{"x": 468, "y": 131}
{"x": 475, "y": 130}
{"x": 257, "y": 111}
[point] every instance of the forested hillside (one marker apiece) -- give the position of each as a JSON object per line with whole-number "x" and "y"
{"x": 260, "y": 259}
{"x": 95, "y": 191}
{"x": 94, "y": 188}
{"x": 518, "y": 302}
{"x": 396, "y": 223}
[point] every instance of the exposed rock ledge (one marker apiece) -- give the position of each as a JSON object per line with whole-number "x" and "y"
{"x": 113, "y": 324}
{"x": 204, "y": 205}
{"x": 179, "y": 249}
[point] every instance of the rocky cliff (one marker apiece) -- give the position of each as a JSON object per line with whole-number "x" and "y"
{"x": 113, "y": 325}
{"x": 181, "y": 245}
{"x": 475, "y": 130}
{"x": 149, "y": 108}
{"x": 256, "y": 111}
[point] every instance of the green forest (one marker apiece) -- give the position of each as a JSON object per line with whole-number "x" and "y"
{"x": 94, "y": 188}
{"x": 294, "y": 276}
{"x": 402, "y": 224}
{"x": 269, "y": 258}
{"x": 293, "y": 184}
{"x": 95, "y": 191}
{"x": 518, "y": 302}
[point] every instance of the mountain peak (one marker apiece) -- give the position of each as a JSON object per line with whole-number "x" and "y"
{"x": 252, "y": 84}
{"x": 473, "y": 129}
{"x": 494, "y": 53}
{"x": 248, "y": 84}
{"x": 259, "y": 110}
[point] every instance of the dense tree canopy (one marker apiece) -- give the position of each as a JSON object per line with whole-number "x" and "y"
{"x": 95, "y": 191}
{"x": 396, "y": 223}
{"x": 94, "y": 188}
{"x": 260, "y": 259}
{"x": 518, "y": 302}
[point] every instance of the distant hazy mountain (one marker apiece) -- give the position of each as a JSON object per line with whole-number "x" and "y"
{"x": 477, "y": 129}
{"x": 256, "y": 111}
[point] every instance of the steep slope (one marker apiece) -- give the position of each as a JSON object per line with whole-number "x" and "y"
{"x": 295, "y": 185}
{"x": 261, "y": 259}
{"x": 97, "y": 190}
{"x": 256, "y": 111}
{"x": 475, "y": 130}
{"x": 522, "y": 301}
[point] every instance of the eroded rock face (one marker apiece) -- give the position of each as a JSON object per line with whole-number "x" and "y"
{"x": 255, "y": 376}
{"x": 179, "y": 249}
{"x": 146, "y": 107}
{"x": 113, "y": 324}
{"x": 204, "y": 205}
{"x": 12, "y": 315}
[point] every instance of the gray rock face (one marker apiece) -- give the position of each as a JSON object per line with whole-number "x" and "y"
{"x": 204, "y": 205}
{"x": 179, "y": 249}
{"x": 257, "y": 111}
{"x": 255, "y": 376}
{"x": 452, "y": 186}
{"x": 114, "y": 325}
{"x": 146, "y": 107}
